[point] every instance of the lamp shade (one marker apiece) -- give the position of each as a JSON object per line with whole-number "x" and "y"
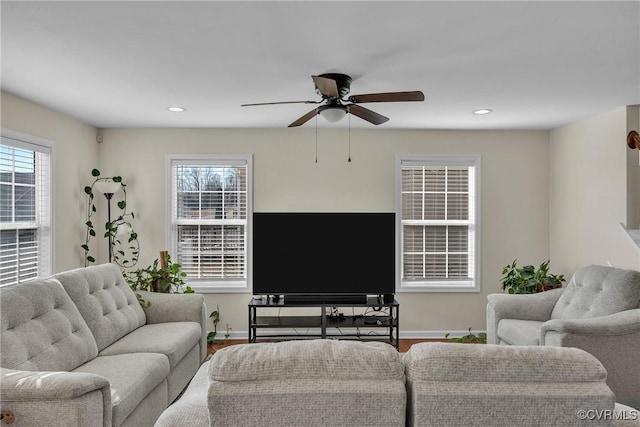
{"x": 107, "y": 186}
{"x": 332, "y": 113}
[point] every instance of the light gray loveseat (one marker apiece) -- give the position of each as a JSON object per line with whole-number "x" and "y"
{"x": 77, "y": 349}
{"x": 344, "y": 383}
{"x": 597, "y": 311}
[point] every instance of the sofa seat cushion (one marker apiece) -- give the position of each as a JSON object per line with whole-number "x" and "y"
{"x": 42, "y": 329}
{"x": 105, "y": 301}
{"x": 173, "y": 339}
{"x": 519, "y": 332}
{"x": 131, "y": 377}
{"x": 313, "y": 359}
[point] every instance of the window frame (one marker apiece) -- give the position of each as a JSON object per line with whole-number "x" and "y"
{"x": 36, "y": 144}
{"x": 210, "y": 285}
{"x": 444, "y": 285}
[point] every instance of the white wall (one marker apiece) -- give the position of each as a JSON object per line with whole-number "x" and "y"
{"x": 588, "y": 194}
{"x": 76, "y": 153}
{"x": 514, "y": 190}
{"x": 514, "y": 195}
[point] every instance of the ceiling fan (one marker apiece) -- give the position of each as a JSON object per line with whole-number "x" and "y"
{"x": 333, "y": 88}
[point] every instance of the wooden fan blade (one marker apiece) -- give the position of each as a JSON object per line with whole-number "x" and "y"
{"x": 388, "y": 97}
{"x": 366, "y": 114}
{"x": 304, "y": 119}
{"x": 327, "y": 87}
{"x": 281, "y": 102}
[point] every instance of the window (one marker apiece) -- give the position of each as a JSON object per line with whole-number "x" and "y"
{"x": 438, "y": 207}
{"x": 25, "y": 208}
{"x": 210, "y": 207}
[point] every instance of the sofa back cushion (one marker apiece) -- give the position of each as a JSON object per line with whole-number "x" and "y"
{"x": 304, "y": 360}
{"x": 42, "y": 329}
{"x": 105, "y": 301}
{"x": 491, "y": 363}
{"x": 597, "y": 290}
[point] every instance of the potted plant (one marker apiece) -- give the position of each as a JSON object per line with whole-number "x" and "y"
{"x": 528, "y": 279}
{"x": 124, "y": 248}
{"x": 212, "y": 343}
{"x": 470, "y": 338}
{"x": 161, "y": 276}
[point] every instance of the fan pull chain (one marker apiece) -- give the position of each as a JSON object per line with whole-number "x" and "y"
{"x": 349, "y": 159}
{"x": 316, "y": 138}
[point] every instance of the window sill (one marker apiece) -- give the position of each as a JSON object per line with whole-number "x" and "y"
{"x": 633, "y": 234}
{"x": 438, "y": 287}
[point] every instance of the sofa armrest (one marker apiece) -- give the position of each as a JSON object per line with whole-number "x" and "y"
{"x": 57, "y": 398}
{"x": 177, "y": 308}
{"x": 174, "y": 307}
{"x": 519, "y": 306}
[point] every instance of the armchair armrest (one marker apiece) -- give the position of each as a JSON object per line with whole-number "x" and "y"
{"x": 613, "y": 339}
{"x": 617, "y": 324}
{"x": 56, "y": 398}
{"x": 519, "y": 306}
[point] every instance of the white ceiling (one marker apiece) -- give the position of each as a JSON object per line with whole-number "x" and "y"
{"x": 113, "y": 64}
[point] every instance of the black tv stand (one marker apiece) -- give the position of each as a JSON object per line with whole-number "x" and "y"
{"x": 379, "y": 321}
{"x": 325, "y": 299}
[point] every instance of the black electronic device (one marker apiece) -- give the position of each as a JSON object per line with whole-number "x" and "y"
{"x": 320, "y": 256}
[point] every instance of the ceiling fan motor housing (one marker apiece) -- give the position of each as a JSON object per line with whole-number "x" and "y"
{"x": 343, "y": 82}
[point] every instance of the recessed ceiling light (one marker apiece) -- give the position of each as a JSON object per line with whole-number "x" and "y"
{"x": 482, "y": 111}
{"x": 177, "y": 109}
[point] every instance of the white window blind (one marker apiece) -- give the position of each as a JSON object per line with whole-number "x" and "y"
{"x": 210, "y": 208}
{"x": 25, "y": 212}
{"x": 438, "y": 211}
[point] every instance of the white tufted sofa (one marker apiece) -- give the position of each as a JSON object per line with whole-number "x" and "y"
{"x": 597, "y": 311}
{"x": 77, "y": 349}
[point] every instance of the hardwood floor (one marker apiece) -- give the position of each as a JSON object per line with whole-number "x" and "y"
{"x": 405, "y": 343}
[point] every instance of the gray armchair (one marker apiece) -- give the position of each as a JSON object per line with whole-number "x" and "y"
{"x": 597, "y": 311}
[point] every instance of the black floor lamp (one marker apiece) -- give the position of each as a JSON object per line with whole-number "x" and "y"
{"x": 108, "y": 188}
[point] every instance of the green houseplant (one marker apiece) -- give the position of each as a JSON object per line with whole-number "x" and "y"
{"x": 470, "y": 338}
{"x": 125, "y": 254}
{"x": 161, "y": 276}
{"x": 211, "y": 336}
{"x": 528, "y": 279}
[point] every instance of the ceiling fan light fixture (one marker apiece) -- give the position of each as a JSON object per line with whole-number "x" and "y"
{"x": 333, "y": 113}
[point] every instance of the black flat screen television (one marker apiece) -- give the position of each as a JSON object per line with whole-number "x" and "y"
{"x": 324, "y": 256}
